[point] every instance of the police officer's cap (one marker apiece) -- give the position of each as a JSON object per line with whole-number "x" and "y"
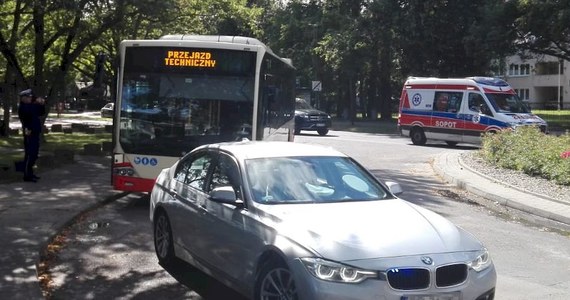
{"x": 27, "y": 92}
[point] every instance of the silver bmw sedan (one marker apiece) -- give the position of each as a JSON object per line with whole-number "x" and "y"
{"x": 279, "y": 220}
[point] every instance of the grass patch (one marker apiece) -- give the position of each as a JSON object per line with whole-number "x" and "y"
{"x": 530, "y": 151}
{"x": 559, "y": 119}
{"x": 75, "y": 141}
{"x": 75, "y": 116}
{"x": 11, "y": 149}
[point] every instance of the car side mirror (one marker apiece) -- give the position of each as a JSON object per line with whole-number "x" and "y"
{"x": 395, "y": 188}
{"x": 225, "y": 194}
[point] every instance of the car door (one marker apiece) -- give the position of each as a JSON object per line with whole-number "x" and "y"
{"x": 227, "y": 241}
{"x": 188, "y": 190}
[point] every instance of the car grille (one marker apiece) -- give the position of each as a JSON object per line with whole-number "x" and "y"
{"x": 450, "y": 275}
{"x": 408, "y": 279}
{"x": 317, "y": 118}
{"x": 418, "y": 278}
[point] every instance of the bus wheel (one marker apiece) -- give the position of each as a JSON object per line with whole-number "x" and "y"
{"x": 418, "y": 136}
{"x": 451, "y": 144}
{"x": 323, "y": 131}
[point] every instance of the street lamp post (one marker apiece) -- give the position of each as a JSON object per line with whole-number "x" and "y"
{"x": 560, "y": 64}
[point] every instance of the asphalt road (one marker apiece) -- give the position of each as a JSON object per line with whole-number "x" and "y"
{"x": 110, "y": 255}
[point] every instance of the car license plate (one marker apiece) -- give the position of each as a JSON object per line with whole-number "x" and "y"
{"x": 446, "y": 296}
{"x": 321, "y": 124}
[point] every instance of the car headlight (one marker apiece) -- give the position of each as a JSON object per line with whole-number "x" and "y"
{"x": 482, "y": 262}
{"x": 336, "y": 272}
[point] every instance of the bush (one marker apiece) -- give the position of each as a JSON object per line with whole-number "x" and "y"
{"x": 528, "y": 150}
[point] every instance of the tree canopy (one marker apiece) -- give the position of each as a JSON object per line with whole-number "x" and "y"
{"x": 361, "y": 50}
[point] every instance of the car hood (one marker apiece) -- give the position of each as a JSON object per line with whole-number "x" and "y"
{"x": 310, "y": 112}
{"x": 366, "y": 230}
{"x": 524, "y": 119}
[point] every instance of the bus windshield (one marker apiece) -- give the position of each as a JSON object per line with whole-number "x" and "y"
{"x": 171, "y": 105}
{"x": 507, "y": 103}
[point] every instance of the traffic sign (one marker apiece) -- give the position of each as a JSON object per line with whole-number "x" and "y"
{"x": 317, "y": 87}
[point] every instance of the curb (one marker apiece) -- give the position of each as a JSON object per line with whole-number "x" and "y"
{"x": 467, "y": 186}
{"x": 522, "y": 190}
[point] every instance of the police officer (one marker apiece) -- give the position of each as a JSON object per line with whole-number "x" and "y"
{"x": 30, "y": 111}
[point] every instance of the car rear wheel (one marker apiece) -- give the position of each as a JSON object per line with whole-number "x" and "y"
{"x": 323, "y": 131}
{"x": 163, "y": 241}
{"x": 275, "y": 281}
{"x": 418, "y": 136}
{"x": 297, "y": 131}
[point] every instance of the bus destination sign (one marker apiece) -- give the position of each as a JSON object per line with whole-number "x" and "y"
{"x": 189, "y": 59}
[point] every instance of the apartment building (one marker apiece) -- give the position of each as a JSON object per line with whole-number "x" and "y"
{"x": 541, "y": 81}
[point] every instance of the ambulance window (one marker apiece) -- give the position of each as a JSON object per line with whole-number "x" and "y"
{"x": 441, "y": 100}
{"x": 454, "y": 101}
{"x": 447, "y": 101}
{"x": 477, "y": 104}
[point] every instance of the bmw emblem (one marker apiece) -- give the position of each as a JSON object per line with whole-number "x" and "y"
{"x": 427, "y": 260}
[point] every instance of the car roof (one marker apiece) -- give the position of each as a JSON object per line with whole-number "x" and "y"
{"x": 261, "y": 149}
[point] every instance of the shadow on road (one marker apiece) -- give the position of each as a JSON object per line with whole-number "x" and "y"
{"x": 196, "y": 280}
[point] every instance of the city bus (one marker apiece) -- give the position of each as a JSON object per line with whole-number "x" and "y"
{"x": 182, "y": 91}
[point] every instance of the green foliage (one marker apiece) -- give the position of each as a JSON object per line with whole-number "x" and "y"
{"x": 556, "y": 119}
{"x": 542, "y": 27}
{"x": 528, "y": 150}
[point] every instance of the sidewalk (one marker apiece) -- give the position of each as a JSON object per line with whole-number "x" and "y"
{"x": 31, "y": 214}
{"x": 449, "y": 166}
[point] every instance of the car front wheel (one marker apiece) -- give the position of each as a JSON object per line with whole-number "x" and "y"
{"x": 323, "y": 131}
{"x": 163, "y": 241}
{"x": 275, "y": 282}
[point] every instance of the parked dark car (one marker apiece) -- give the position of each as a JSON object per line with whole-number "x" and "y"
{"x": 108, "y": 110}
{"x": 310, "y": 119}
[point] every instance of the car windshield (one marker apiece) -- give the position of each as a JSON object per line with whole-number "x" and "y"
{"x": 302, "y": 104}
{"x": 507, "y": 103}
{"x": 311, "y": 179}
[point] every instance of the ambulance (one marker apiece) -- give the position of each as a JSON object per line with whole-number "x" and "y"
{"x": 460, "y": 110}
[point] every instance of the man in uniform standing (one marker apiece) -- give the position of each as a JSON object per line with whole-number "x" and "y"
{"x": 30, "y": 111}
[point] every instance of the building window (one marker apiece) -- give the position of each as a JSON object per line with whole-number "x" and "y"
{"x": 547, "y": 68}
{"x": 525, "y": 69}
{"x": 514, "y": 70}
{"x": 519, "y": 70}
{"x": 524, "y": 94}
